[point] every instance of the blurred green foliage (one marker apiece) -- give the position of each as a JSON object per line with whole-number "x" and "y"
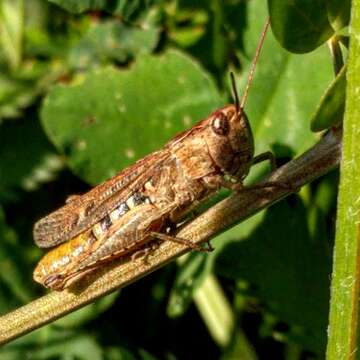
{"x": 87, "y": 87}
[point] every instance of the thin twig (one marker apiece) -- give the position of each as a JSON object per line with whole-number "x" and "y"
{"x": 320, "y": 159}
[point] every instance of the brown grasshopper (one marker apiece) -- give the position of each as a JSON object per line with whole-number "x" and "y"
{"x": 122, "y": 215}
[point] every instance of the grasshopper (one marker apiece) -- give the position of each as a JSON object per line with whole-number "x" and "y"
{"x": 125, "y": 213}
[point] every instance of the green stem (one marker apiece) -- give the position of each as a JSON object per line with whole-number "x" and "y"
{"x": 215, "y": 310}
{"x": 342, "y": 341}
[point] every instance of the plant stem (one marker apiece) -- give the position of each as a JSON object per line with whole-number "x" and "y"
{"x": 215, "y": 310}
{"x": 344, "y": 309}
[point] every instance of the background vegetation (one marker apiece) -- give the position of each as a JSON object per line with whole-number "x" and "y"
{"x": 87, "y": 87}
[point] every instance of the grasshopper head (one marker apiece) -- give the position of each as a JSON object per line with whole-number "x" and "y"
{"x": 230, "y": 141}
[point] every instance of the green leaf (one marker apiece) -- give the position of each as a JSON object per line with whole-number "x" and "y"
{"x": 113, "y": 40}
{"x": 332, "y": 105}
{"x": 111, "y": 117}
{"x": 11, "y": 30}
{"x": 278, "y": 261}
{"x": 300, "y": 25}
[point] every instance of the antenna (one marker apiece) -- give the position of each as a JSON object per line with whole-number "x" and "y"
{"x": 253, "y": 66}
{"x": 235, "y": 93}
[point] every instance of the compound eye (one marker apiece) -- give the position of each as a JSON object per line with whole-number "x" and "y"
{"x": 220, "y": 124}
